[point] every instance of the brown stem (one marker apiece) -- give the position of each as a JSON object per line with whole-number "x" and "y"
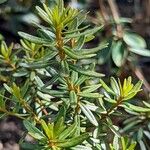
{"x": 103, "y": 11}
{"x": 60, "y": 43}
{"x": 139, "y": 74}
{"x": 42, "y": 106}
{"x": 119, "y": 101}
{"x": 115, "y": 14}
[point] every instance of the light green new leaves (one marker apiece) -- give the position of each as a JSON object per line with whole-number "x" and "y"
{"x": 57, "y": 133}
{"x": 5, "y": 51}
{"x": 125, "y": 91}
{"x": 122, "y": 143}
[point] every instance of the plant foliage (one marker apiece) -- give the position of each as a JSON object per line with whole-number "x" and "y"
{"x": 64, "y": 103}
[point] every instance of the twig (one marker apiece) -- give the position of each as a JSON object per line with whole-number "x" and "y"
{"x": 115, "y": 14}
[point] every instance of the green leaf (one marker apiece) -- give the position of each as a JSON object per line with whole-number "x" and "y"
{"x": 114, "y": 130}
{"x": 90, "y": 95}
{"x": 146, "y": 104}
{"x": 115, "y": 86}
{"x": 106, "y": 87}
{"x": 60, "y": 4}
{"x": 67, "y": 132}
{"x": 16, "y": 91}
{"x": 36, "y": 65}
{"x": 140, "y": 134}
{"x": 35, "y": 39}
{"x": 7, "y": 88}
{"x": 132, "y": 146}
{"x": 46, "y": 34}
{"x": 110, "y": 100}
{"x": 56, "y": 93}
{"x": 88, "y": 114}
{"x": 80, "y": 80}
{"x": 134, "y": 40}
{"x": 86, "y": 72}
{"x": 81, "y": 147}
{"x": 129, "y": 96}
{"x": 2, "y": 102}
{"x": 76, "y": 55}
{"x": 46, "y": 129}
{"x": 73, "y": 25}
{"x": 86, "y": 33}
{"x": 142, "y": 145}
{"x": 73, "y": 98}
{"x": 137, "y": 86}
{"x": 118, "y": 53}
{"x": 137, "y": 108}
{"x": 91, "y": 88}
{"x": 59, "y": 126}
{"x": 64, "y": 68}
{"x": 43, "y": 15}
{"x": 33, "y": 131}
{"x": 140, "y": 51}
{"x": 74, "y": 76}
{"x": 73, "y": 141}
{"x": 93, "y": 50}
{"x": 80, "y": 43}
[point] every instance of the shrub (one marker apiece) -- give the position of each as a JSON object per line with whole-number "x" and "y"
{"x": 63, "y": 101}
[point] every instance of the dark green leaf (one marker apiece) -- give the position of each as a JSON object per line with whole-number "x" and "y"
{"x": 33, "y": 131}
{"x": 76, "y": 55}
{"x": 35, "y": 39}
{"x": 88, "y": 114}
{"x": 86, "y": 72}
{"x": 67, "y": 132}
{"x": 106, "y": 87}
{"x": 73, "y": 141}
{"x": 92, "y": 50}
{"x": 118, "y": 53}
{"x": 87, "y": 32}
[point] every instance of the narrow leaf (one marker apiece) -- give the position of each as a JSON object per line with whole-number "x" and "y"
{"x": 88, "y": 114}
{"x": 73, "y": 141}
{"x": 86, "y": 72}
{"x": 35, "y": 39}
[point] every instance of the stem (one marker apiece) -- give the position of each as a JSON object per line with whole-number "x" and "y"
{"x": 11, "y": 113}
{"x": 42, "y": 106}
{"x": 60, "y": 43}
{"x": 8, "y": 62}
{"x": 103, "y": 12}
{"x": 115, "y": 14}
{"x": 119, "y": 101}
